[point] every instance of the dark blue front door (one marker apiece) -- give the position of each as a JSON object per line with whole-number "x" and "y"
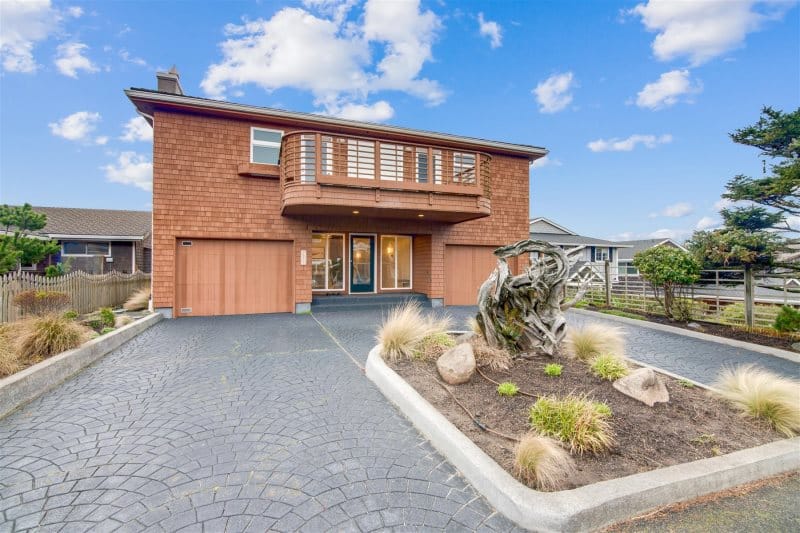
{"x": 362, "y": 263}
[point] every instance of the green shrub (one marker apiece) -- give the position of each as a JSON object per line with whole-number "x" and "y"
{"x": 553, "y": 370}
{"x": 574, "y": 420}
{"x": 609, "y": 366}
{"x": 49, "y": 335}
{"x": 788, "y": 319}
{"x": 685, "y": 383}
{"x": 603, "y": 408}
{"x": 106, "y": 330}
{"x": 761, "y": 394}
{"x": 541, "y": 462}
{"x": 107, "y": 317}
{"x": 507, "y": 389}
{"x": 71, "y": 314}
{"x": 39, "y": 303}
{"x": 434, "y": 345}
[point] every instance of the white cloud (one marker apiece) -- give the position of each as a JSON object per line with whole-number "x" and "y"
{"x": 70, "y": 59}
{"x": 681, "y": 209}
{"x": 723, "y": 203}
{"x": 75, "y": 12}
{"x": 77, "y": 126}
{"x": 674, "y": 234}
{"x": 706, "y": 223}
{"x": 546, "y": 161}
{"x": 492, "y": 30}
{"x": 24, "y": 24}
{"x": 131, "y": 169}
{"x": 553, "y": 94}
{"x": 668, "y": 90}
{"x": 101, "y": 140}
{"x": 128, "y": 58}
{"x": 137, "y": 129}
{"x": 626, "y": 145}
{"x": 331, "y": 56}
{"x": 703, "y": 30}
{"x": 378, "y": 112}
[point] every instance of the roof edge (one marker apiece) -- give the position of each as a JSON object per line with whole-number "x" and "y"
{"x": 533, "y": 152}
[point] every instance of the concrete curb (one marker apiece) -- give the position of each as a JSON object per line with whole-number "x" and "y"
{"x": 767, "y": 350}
{"x": 24, "y": 386}
{"x": 589, "y": 507}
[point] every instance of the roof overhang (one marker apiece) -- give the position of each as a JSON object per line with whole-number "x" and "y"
{"x": 66, "y": 236}
{"x": 146, "y": 101}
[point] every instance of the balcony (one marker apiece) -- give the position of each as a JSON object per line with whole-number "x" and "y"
{"x": 327, "y": 174}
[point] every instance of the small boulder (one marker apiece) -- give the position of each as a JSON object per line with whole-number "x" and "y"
{"x": 643, "y": 385}
{"x": 695, "y": 326}
{"x": 796, "y": 347}
{"x": 457, "y": 364}
{"x": 465, "y": 337}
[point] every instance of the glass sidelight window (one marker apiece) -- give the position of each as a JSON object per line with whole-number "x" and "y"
{"x": 395, "y": 262}
{"x": 327, "y": 262}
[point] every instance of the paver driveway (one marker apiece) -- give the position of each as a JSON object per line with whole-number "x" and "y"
{"x": 226, "y": 424}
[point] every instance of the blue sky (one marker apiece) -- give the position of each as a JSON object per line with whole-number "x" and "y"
{"x": 634, "y": 100}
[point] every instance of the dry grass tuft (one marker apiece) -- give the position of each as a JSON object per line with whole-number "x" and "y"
{"x": 9, "y": 361}
{"x": 404, "y": 330}
{"x": 541, "y": 462}
{"x": 592, "y": 340}
{"x": 49, "y": 335}
{"x": 488, "y": 356}
{"x": 122, "y": 320}
{"x": 474, "y": 327}
{"x": 576, "y": 420}
{"x": 433, "y": 346}
{"x": 762, "y": 394}
{"x": 138, "y": 301}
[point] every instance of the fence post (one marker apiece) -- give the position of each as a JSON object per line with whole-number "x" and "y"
{"x": 607, "y": 268}
{"x": 749, "y": 295}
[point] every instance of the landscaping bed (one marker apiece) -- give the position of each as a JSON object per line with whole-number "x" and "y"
{"x": 693, "y": 425}
{"x": 773, "y": 339}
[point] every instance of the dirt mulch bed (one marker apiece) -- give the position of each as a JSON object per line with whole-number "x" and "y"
{"x": 783, "y": 342}
{"x": 691, "y": 426}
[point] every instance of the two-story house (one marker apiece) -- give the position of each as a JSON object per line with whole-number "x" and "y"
{"x": 258, "y": 210}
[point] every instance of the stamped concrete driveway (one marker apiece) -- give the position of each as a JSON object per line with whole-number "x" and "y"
{"x": 226, "y": 424}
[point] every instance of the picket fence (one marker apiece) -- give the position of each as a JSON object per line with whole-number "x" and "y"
{"x": 87, "y": 292}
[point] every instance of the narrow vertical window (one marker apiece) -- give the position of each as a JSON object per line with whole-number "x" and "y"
{"x": 395, "y": 262}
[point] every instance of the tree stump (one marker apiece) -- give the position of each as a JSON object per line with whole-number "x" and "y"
{"x": 525, "y": 313}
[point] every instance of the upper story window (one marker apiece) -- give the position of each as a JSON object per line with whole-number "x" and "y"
{"x": 85, "y": 248}
{"x": 265, "y": 146}
{"x": 601, "y": 254}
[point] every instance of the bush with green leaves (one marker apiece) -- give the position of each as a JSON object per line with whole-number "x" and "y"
{"x": 40, "y": 303}
{"x": 667, "y": 269}
{"x": 107, "y": 317}
{"x": 71, "y": 314}
{"x": 575, "y": 420}
{"x": 106, "y": 330}
{"x": 788, "y": 319}
{"x": 609, "y": 367}
{"x": 507, "y": 389}
{"x": 553, "y": 370}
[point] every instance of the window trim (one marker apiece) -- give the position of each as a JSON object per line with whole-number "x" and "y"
{"x": 85, "y": 242}
{"x": 327, "y": 265}
{"x": 607, "y": 254}
{"x": 410, "y": 262}
{"x": 266, "y": 144}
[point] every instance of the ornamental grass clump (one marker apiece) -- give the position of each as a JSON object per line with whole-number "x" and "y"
{"x": 138, "y": 301}
{"x": 541, "y": 462}
{"x": 553, "y": 370}
{"x": 762, "y": 394}
{"x": 592, "y": 340}
{"x": 575, "y": 420}
{"x": 404, "y": 329}
{"x": 609, "y": 367}
{"x": 9, "y": 360}
{"x": 39, "y": 303}
{"x": 507, "y": 389}
{"x": 434, "y": 345}
{"x": 49, "y": 335}
{"x": 488, "y": 356}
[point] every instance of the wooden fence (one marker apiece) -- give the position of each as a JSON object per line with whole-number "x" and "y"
{"x": 87, "y": 292}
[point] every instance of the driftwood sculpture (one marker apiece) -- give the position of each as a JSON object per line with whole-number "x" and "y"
{"x": 525, "y": 313}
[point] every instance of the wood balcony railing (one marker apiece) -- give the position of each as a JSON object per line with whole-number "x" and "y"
{"x": 447, "y": 184}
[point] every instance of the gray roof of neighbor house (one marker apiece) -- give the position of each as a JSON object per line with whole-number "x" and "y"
{"x": 560, "y": 235}
{"x": 93, "y": 223}
{"x": 626, "y": 254}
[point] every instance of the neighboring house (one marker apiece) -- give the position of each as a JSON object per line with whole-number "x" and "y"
{"x": 587, "y": 255}
{"x": 626, "y": 267}
{"x": 259, "y": 210}
{"x": 97, "y": 240}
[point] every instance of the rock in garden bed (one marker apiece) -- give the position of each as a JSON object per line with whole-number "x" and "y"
{"x": 691, "y": 426}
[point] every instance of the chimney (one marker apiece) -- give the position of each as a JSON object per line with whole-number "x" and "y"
{"x": 169, "y": 82}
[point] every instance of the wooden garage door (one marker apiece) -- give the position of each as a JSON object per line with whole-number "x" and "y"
{"x": 228, "y": 277}
{"x": 465, "y": 270}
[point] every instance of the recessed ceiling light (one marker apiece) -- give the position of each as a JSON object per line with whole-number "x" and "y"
{"x": 355, "y": 211}
{"x": 421, "y": 215}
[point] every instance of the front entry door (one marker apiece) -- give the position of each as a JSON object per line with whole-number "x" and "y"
{"x": 362, "y": 263}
